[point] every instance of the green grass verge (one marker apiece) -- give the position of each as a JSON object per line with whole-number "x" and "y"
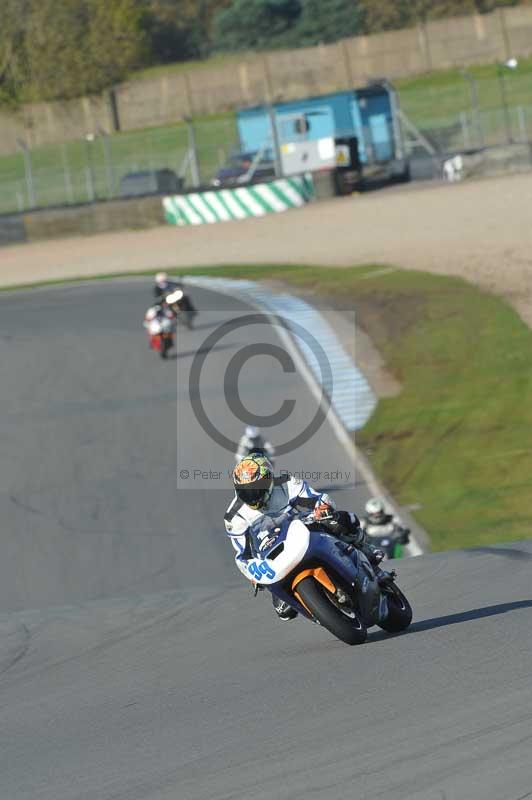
{"x": 457, "y": 439}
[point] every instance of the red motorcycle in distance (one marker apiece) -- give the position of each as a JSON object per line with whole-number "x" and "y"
{"x": 160, "y": 324}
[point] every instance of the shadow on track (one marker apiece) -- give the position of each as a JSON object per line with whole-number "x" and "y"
{"x": 204, "y": 326}
{"x": 201, "y": 351}
{"x": 503, "y": 552}
{"x": 456, "y": 619}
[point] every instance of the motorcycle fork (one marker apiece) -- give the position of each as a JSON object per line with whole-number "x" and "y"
{"x": 320, "y": 576}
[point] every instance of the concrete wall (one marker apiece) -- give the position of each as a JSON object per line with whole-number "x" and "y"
{"x": 12, "y": 230}
{"x": 115, "y": 215}
{"x": 279, "y": 75}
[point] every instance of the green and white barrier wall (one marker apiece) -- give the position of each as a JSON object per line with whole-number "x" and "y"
{"x": 222, "y": 205}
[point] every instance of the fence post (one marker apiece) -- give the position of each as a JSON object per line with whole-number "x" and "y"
{"x": 423, "y": 37}
{"x": 188, "y": 94}
{"x": 69, "y": 191}
{"x": 194, "y": 166}
{"x": 347, "y": 63}
{"x": 267, "y": 79}
{"x": 473, "y": 88}
{"x": 522, "y": 123}
{"x": 89, "y": 172}
{"x": 275, "y": 142}
{"x": 505, "y": 36}
{"x": 504, "y": 103}
{"x": 28, "y": 172}
{"x": 108, "y": 162}
{"x": 113, "y": 105}
{"x": 465, "y": 129}
{"x": 243, "y": 79}
{"x": 20, "y": 200}
{"x": 397, "y": 128}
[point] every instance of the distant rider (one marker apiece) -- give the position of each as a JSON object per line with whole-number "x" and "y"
{"x": 153, "y": 318}
{"x": 377, "y": 518}
{"x": 164, "y": 286}
{"x": 252, "y": 441}
{"x": 258, "y": 493}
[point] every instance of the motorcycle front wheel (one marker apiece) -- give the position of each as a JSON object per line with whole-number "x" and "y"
{"x": 399, "y": 611}
{"x": 345, "y": 624}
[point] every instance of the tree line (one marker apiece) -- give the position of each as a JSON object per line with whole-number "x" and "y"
{"x": 59, "y": 49}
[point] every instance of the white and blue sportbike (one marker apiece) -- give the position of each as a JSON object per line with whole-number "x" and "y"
{"x": 326, "y": 580}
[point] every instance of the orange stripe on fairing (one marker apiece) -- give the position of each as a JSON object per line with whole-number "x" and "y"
{"x": 296, "y": 594}
{"x": 319, "y": 574}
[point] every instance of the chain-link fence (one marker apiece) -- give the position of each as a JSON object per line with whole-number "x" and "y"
{"x": 104, "y": 166}
{"x": 485, "y": 107}
{"x": 186, "y": 155}
{"x": 474, "y": 129}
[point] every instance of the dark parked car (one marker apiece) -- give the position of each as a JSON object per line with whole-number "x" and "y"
{"x": 156, "y": 181}
{"x": 235, "y": 172}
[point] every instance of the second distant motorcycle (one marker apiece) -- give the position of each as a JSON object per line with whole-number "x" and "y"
{"x": 252, "y": 441}
{"x": 159, "y": 322}
{"x": 385, "y": 531}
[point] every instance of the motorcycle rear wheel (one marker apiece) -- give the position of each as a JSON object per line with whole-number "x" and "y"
{"x": 399, "y": 611}
{"x": 166, "y": 344}
{"x": 349, "y": 629}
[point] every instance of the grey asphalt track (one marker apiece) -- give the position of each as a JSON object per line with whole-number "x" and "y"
{"x": 156, "y": 675}
{"x": 88, "y": 500}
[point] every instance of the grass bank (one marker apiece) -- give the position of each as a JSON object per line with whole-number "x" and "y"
{"x": 457, "y": 440}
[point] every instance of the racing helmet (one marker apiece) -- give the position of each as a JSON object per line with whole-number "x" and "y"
{"x": 253, "y": 480}
{"x": 375, "y": 510}
{"x": 161, "y": 279}
{"x": 252, "y": 434}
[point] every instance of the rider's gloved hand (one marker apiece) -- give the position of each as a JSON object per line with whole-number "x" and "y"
{"x": 347, "y": 527}
{"x": 324, "y": 511}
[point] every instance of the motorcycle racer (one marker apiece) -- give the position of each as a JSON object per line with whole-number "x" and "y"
{"x": 252, "y": 441}
{"x": 259, "y": 493}
{"x": 164, "y": 286}
{"x": 376, "y": 518}
{"x": 158, "y": 319}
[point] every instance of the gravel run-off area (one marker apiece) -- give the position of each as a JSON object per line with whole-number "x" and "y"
{"x": 480, "y": 230}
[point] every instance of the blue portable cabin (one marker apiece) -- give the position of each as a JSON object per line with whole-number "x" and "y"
{"x": 368, "y": 113}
